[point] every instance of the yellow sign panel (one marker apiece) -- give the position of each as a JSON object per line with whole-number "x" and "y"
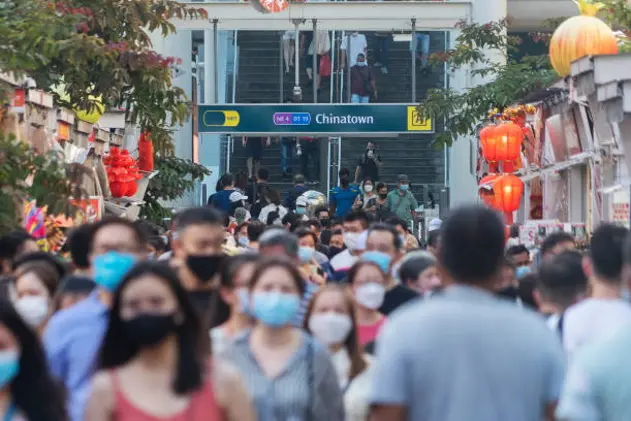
{"x": 416, "y": 123}
{"x": 221, "y": 118}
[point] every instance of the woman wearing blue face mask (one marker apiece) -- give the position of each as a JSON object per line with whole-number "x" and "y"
{"x": 368, "y": 282}
{"x": 289, "y": 375}
{"x": 311, "y": 260}
{"x": 236, "y": 274}
{"x": 27, "y": 391}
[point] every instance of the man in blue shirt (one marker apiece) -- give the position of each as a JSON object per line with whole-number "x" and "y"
{"x": 73, "y": 336}
{"x": 343, "y": 196}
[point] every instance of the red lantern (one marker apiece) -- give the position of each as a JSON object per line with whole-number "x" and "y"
{"x": 488, "y": 141}
{"x": 145, "y": 153}
{"x": 508, "y": 141}
{"x": 508, "y": 191}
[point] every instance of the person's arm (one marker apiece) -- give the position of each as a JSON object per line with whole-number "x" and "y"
{"x": 55, "y": 347}
{"x": 358, "y": 172}
{"x": 413, "y": 205}
{"x": 232, "y": 395}
{"x": 244, "y": 141}
{"x": 330, "y": 396}
{"x": 332, "y": 203}
{"x": 390, "y": 394}
{"x": 373, "y": 83}
{"x": 101, "y": 404}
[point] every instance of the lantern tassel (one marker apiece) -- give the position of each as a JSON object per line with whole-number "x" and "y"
{"x": 587, "y": 8}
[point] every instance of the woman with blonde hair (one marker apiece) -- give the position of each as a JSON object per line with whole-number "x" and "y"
{"x": 331, "y": 319}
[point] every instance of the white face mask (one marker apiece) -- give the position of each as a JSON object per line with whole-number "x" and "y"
{"x": 330, "y": 328}
{"x": 370, "y": 295}
{"x": 350, "y": 240}
{"x": 368, "y": 188}
{"x": 33, "y": 309}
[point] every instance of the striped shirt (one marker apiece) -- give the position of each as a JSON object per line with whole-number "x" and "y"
{"x": 290, "y": 396}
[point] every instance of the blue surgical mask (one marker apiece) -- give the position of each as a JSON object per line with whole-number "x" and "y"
{"x": 522, "y": 271}
{"x": 305, "y": 254}
{"x": 382, "y": 260}
{"x": 110, "y": 268}
{"x": 275, "y": 309}
{"x": 243, "y": 241}
{"x": 362, "y": 63}
{"x": 9, "y": 366}
{"x": 301, "y": 210}
{"x": 404, "y": 187}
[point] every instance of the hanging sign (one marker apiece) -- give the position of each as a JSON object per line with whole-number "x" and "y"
{"x": 19, "y": 101}
{"x": 315, "y": 119}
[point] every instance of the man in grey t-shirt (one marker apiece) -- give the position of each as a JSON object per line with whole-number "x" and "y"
{"x": 465, "y": 354}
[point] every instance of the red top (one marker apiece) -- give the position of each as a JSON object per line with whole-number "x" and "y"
{"x": 368, "y": 333}
{"x": 202, "y": 407}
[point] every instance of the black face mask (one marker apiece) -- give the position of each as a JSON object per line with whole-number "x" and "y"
{"x": 509, "y": 293}
{"x": 334, "y": 251}
{"x": 148, "y": 329}
{"x": 204, "y": 266}
{"x": 344, "y": 181}
{"x": 326, "y": 222}
{"x": 383, "y": 195}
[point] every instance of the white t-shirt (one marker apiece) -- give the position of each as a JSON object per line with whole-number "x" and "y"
{"x": 592, "y": 320}
{"x": 358, "y": 45}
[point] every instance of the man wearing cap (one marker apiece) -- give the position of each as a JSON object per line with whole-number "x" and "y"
{"x": 401, "y": 201}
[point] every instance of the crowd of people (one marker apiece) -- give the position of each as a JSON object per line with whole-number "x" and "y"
{"x": 314, "y": 319}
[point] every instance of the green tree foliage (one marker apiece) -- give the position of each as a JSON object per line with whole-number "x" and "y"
{"x": 175, "y": 178}
{"x": 513, "y": 79}
{"x": 99, "y": 49}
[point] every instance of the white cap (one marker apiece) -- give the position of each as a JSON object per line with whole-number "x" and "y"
{"x": 362, "y": 239}
{"x": 434, "y": 224}
{"x": 237, "y": 196}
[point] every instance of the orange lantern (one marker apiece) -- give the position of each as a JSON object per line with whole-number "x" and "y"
{"x": 508, "y": 190}
{"x": 509, "y": 137}
{"x": 581, "y": 36}
{"x": 486, "y": 190}
{"x": 488, "y": 142}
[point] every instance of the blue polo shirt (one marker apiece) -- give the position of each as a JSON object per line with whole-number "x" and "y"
{"x": 343, "y": 199}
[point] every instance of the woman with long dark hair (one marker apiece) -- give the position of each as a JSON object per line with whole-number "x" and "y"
{"x": 289, "y": 375}
{"x": 331, "y": 319}
{"x": 154, "y": 358}
{"x": 27, "y": 390}
{"x": 236, "y": 273}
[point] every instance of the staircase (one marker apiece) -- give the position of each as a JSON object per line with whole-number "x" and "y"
{"x": 411, "y": 154}
{"x": 259, "y": 81}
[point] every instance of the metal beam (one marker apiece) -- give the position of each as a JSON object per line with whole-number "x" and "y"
{"x": 339, "y": 16}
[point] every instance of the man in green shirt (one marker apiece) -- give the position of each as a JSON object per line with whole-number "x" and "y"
{"x": 401, "y": 201}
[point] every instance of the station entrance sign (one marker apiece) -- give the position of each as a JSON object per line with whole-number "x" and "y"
{"x": 323, "y": 119}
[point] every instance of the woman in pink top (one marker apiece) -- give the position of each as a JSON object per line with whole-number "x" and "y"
{"x": 154, "y": 358}
{"x": 368, "y": 284}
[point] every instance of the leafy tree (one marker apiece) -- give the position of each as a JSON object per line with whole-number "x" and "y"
{"x": 99, "y": 49}
{"x": 176, "y": 177}
{"x": 511, "y": 81}
{"x": 463, "y": 111}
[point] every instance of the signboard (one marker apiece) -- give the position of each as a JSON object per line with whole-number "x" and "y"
{"x": 88, "y": 210}
{"x": 325, "y": 119}
{"x": 620, "y": 208}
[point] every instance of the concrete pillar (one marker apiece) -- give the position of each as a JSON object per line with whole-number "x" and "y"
{"x": 180, "y": 45}
{"x": 463, "y": 153}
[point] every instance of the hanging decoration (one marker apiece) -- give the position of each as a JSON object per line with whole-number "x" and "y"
{"x": 508, "y": 191}
{"x": 145, "y": 152}
{"x": 91, "y": 115}
{"x": 580, "y": 36}
{"x": 122, "y": 172}
{"x": 269, "y": 6}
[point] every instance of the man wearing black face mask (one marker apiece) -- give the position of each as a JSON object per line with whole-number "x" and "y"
{"x": 197, "y": 248}
{"x": 507, "y": 286}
